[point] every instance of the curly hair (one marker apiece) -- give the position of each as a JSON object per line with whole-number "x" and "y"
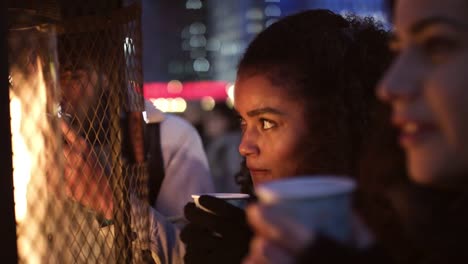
{"x": 331, "y": 65}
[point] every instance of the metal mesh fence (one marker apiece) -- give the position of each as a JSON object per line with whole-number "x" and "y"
{"x": 76, "y": 98}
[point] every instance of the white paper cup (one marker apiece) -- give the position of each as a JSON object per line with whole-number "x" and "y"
{"x": 321, "y": 203}
{"x": 236, "y": 199}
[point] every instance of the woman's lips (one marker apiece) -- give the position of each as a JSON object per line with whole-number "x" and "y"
{"x": 413, "y": 133}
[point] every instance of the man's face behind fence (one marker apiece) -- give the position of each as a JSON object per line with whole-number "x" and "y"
{"x": 80, "y": 90}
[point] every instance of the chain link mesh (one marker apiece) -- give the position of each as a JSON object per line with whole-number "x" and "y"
{"x": 87, "y": 192}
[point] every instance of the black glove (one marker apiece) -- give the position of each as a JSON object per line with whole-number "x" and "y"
{"x": 222, "y": 237}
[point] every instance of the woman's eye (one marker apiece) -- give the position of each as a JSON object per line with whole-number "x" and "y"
{"x": 439, "y": 48}
{"x": 267, "y": 124}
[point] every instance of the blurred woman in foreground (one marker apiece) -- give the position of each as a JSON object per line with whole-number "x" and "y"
{"x": 427, "y": 89}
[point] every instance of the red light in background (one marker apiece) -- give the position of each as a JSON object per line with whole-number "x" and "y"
{"x": 190, "y": 90}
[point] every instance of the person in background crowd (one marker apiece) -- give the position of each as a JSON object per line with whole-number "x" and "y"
{"x": 223, "y": 136}
{"x": 426, "y": 87}
{"x": 186, "y": 169}
{"x": 304, "y": 92}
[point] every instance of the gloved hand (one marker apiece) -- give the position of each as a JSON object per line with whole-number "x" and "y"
{"x": 223, "y": 237}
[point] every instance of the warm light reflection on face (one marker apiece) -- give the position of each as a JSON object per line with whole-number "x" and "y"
{"x": 273, "y": 129}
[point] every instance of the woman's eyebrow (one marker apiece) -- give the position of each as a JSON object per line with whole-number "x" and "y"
{"x": 423, "y": 24}
{"x": 264, "y": 110}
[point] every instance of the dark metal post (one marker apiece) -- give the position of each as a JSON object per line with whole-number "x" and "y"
{"x": 8, "y": 252}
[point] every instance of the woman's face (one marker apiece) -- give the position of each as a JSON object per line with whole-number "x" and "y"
{"x": 427, "y": 87}
{"x": 273, "y": 129}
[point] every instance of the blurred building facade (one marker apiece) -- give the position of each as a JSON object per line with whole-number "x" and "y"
{"x": 193, "y": 40}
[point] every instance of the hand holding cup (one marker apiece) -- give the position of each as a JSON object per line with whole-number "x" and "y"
{"x": 217, "y": 232}
{"x": 292, "y": 212}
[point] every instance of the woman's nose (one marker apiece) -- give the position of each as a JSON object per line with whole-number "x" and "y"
{"x": 403, "y": 79}
{"x": 248, "y": 145}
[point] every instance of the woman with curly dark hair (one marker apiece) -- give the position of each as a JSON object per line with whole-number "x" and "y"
{"x": 305, "y": 96}
{"x": 322, "y": 69}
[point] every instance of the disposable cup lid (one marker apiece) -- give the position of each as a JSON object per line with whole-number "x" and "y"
{"x": 223, "y": 195}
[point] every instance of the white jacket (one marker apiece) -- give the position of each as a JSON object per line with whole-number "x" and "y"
{"x": 185, "y": 163}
